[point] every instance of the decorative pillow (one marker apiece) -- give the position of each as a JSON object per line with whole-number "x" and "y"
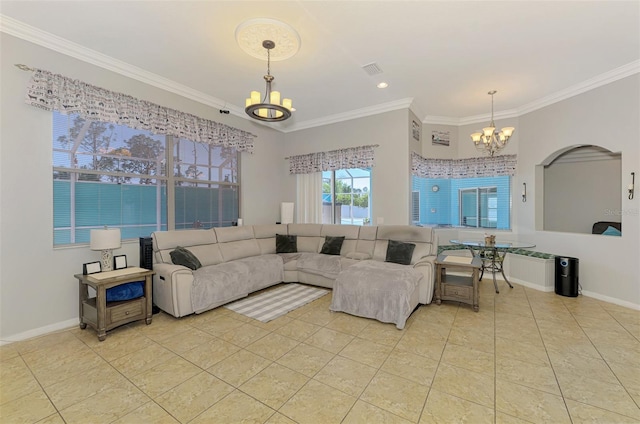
{"x": 286, "y": 244}
{"x": 182, "y": 256}
{"x": 399, "y": 252}
{"x": 332, "y": 245}
{"x": 358, "y": 255}
{"x": 612, "y": 231}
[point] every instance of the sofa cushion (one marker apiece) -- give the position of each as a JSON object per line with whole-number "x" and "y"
{"x": 227, "y": 234}
{"x": 207, "y": 254}
{"x": 239, "y": 249}
{"x": 399, "y": 252}
{"x": 358, "y": 256}
{"x": 314, "y": 263}
{"x": 332, "y": 245}
{"x": 266, "y": 236}
{"x": 286, "y": 243}
{"x": 182, "y": 256}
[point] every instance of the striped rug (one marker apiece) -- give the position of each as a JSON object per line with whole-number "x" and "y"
{"x": 274, "y": 303}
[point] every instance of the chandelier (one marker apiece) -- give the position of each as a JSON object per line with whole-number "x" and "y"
{"x": 490, "y": 140}
{"x": 269, "y": 109}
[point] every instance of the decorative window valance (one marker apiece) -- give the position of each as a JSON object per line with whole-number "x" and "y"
{"x": 56, "y": 92}
{"x": 496, "y": 166}
{"x": 353, "y": 157}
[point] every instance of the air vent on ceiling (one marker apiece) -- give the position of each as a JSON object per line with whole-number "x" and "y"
{"x": 372, "y": 69}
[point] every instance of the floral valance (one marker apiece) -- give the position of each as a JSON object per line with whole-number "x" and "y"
{"x": 55, "y": 92}
{"x": 495, "y": 166}
{"x": 353, "y": 157}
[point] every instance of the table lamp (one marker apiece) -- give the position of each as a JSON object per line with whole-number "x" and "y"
{"x": 286, "y": 212}
{"x": 105, "y": 240}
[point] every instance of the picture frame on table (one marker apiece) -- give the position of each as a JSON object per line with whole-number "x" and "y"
{"x": 119, "y": 262}
{"x": 91, "y": 268}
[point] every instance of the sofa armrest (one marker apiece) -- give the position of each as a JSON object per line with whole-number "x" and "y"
{"x": 172, "y": 288}
{"x": 427, "y": 266}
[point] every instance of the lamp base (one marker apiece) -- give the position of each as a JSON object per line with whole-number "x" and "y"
{"x": 106, "y": 260}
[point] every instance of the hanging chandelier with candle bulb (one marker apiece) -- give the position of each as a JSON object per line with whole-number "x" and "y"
{"x": 269, "y": 108}
{"x": 489, "y": 140}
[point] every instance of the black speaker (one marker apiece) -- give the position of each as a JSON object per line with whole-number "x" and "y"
{"x": 567, "y": 278}
{"x": 146, "y": 253}
{"x": 146, "y": 261}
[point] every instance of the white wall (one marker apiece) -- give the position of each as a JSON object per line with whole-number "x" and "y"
{"x": 37, "y": 288}
{"x": 390, "y": 180}
{"x": 606, "y": 116}
{"x": 577, "y": 194}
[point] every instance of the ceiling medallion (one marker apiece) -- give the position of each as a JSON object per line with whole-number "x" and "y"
{"x": 250, "y": 35}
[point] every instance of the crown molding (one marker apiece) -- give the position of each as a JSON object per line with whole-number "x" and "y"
{"x": 34, "y": 35}
{"x": 588, "y": 85}
{"x": 353, "y": 114}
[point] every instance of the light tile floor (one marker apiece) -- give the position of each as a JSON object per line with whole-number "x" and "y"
{"x": 526, "y": 356}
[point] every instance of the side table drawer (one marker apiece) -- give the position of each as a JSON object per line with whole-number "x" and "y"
{"x": 126, "y": 311}
{"x": 461, "y": 292}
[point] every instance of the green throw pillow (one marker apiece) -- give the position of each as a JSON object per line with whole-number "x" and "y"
{"x": 399, "y": 252}
{"x": 332, "y": 245}
{"x": 286, "y": 244}
{"x": 182, "y": 256}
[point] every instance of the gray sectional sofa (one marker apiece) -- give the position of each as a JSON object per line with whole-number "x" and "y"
{"x": 237, "y": 261}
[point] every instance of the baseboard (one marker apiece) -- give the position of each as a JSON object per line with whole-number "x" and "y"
{"x": 63, "y": 325}
{"x": 611, "y": 300}
{"x": 529, "y": 284}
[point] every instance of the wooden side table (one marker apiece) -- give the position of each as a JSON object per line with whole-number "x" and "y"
{"x": 103, "y": 316}
{"x": 455, "y": 287}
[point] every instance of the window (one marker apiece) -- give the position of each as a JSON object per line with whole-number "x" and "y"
{"x": 346, "y": 196}
{"x": 415, "y": 206}
{"x": 478, "y": 207}
{"x": 483, "y": 202}
{"x": 107, "y": 174}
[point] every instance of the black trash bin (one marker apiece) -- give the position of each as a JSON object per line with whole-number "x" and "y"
{"x": 567, "y": 276}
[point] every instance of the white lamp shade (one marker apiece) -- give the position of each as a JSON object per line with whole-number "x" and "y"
{"x": 488, "y": 131}
{"x": 286, "y": 212}
{"x": 508, "y": 131}
{"x": 107, "y": 238}
{"x": 275, "y": 98}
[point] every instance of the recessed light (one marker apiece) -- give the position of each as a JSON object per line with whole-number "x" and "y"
{"x": 383, "y": 85}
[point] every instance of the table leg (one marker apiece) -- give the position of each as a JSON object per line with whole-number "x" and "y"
{"x": 493, "y": 272}
{"x": 502, "y": 269}
{"x": 83, "y": 296}
{"x": 101, "y": 305}
{"x": 439, "y": 272}
{"x": 148, "y": 290}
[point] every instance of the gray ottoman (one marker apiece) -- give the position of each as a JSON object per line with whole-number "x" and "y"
{"x": 384, "y": 291}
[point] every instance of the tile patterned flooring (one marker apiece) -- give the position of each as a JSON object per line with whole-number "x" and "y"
{"x": 526, "y": 356}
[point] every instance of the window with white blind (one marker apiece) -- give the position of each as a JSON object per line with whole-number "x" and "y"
{"x": 482, "y": 202}
{"x": 415, "y": 207}
{"x": 107, "y": 174}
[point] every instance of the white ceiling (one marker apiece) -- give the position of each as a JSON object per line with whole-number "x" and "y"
{"x": 439, "y": 57}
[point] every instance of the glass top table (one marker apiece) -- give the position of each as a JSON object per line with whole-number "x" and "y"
{"x": 492, "y": 255}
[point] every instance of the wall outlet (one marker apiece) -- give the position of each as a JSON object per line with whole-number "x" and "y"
{"x": 379, "y": 221}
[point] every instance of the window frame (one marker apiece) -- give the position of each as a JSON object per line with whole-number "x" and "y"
{"x": 164, "y": 179}
{"x": 333, "y": 195}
